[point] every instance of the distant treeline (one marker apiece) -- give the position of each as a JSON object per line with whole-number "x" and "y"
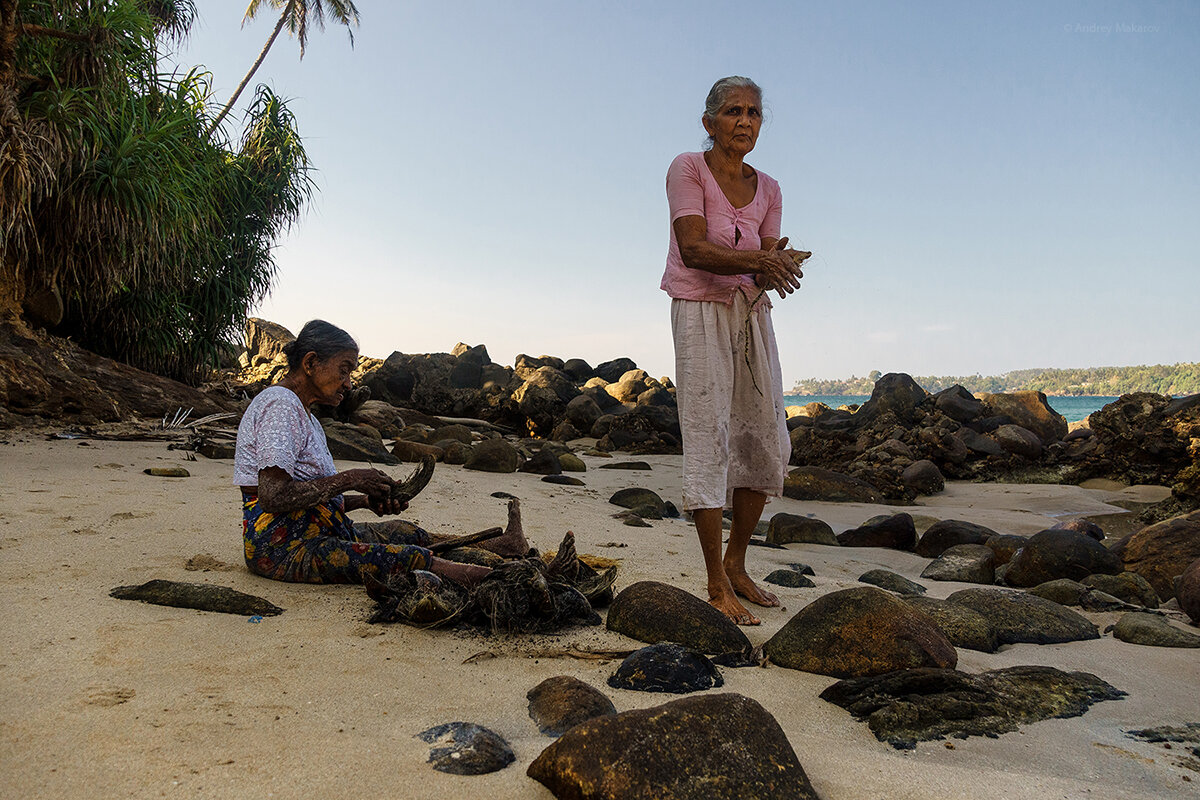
{"x": 1174, "y": 379}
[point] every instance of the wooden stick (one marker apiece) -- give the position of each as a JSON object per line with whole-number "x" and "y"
{"x": 469, "y": 539}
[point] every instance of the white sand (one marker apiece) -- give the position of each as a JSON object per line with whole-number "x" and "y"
{"x": 109, "y": 698}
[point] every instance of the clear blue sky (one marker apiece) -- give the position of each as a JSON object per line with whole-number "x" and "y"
{"x": 985, "y": 187}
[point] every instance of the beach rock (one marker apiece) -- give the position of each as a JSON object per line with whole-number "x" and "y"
{"x": 958, "y": 404}
{"x": 948, "y": 532}
{"x": 215, "y": 450}
{"x": 964, "y": 627}
{"x": 666, "y": 667}
{"x": 1005, "y": 546}
{"x": 583, "y": 411}
{"x": 858, "y": 632}
{"x": 656, "y": 396}
{"x": 1021, "y": 617}
{"x": 1063, "y": 591}
{"x": 1086, "y": 527}
{"x": 896, "y": 532}
{"x": 543, "y": 398}
{"x": 578, "y": 369}
{"x": 265, "y": 340}
{"x": 611, "y": 371}
{"x": 1148, "y": 439}
{"x": 634, "y": 498}
{"x": 543, "y": 462}
{"x": 1018, "y": 441}
{"x": 459, "y": 433}
{"x": 922, "y": 704}
{"x": 815, "y": 483}
{"x": 923, "y": 477}
{"x": 562, "y": 480}
{"x": 201, "y": 596}
{"x": 785, "y": 528}
{"x": 789, "y": 578}
{"x": 383, "y": 417}
{"x": 560, "y": 703}
{"x": 1127, "y": 586}
{"x": 352, "y": 443}
{"x": 978, "y": 443}
{"x": 1030, "y": 410}
{"x": 1188, "y": 594}
{"x": 1162, "y": 551}
{"x": 1054, "y": 554}
{"x": 1152, "y": 630}
{"x": 895, "y": 393}
{"x": 453, "y": 452}
{"x": 493, "y": 455}
{"x": 886, "y": 579}
{"x": 409, "y": 451}
{"x": 627, "y": 465}
{"x": 464, "y": 748}
{"x": 710, "y": 747}
{"x": 571, "y": 463}
{"x": 968, "y": 563}
{"x": 655, "y": 612}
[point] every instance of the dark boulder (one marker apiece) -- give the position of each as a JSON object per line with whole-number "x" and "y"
{"x": 1189, "y": 591}
{"x": 578, "y": 369}
{"x": 1054, "y": 554}
{"x": 857, "y": 632}
{"x": 895, "y": 393}
{"x": 1138, "y": 627}
{"x": 1018, "y": 441}
{"x": 923, "y": 477}
{"x": 964, "y": 627}
{"x": 946, "y": 533}
{"x": 611, "y": 371}
{"x": 637, "y": 497}
{"x": 922, "y": 704}
{"x": 886, "y": 579}
{"x": 1030, "y": 410}
{"x": 1127, "y": 586}
{"x": 560, "y": 703}
{"x": 355, "y": 443}
{"x": 790, "y": 578}
{"x": 815, "y": 483}
{"x": 1005, "y": 546}
{"x": 958, "y": 404}
{"x": 493, "y": 455}
{"x": 543, "y": 462}
{"x": 666, "y": 667}
{"x": 1161, "y": 552}
{"x": 968, "y": 563}
{"x": 785, "y": 528}
{"x": 582, "y": 412}
{"x": 463, "y": 748}
{"x": 897, "y": 532}
{"x": 711, "y": 747}
{"x": 1021, "y": 617}
{"x": 1086, "y": 527}
{"x": 654, "y": 612}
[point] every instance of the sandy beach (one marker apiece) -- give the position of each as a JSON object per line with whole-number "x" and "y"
{"x": 110, "y": 698}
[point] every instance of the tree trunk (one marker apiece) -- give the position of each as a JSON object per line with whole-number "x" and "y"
{"x": 253, "y": 68}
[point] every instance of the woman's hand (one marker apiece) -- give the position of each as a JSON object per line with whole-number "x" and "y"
{"x": 779, "y": 268}
{"x": 383, "y": 505}
{"x": 372, "y": 482}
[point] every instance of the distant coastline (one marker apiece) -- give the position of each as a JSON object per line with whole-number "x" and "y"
{"x": 1072, "y": 407}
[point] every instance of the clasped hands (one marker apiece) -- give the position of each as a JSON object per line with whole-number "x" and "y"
{"x": 779, "y": 268}
{"x": 377, "y": 485}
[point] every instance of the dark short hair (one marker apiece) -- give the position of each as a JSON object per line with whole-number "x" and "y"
{"x": 320, "y": 337}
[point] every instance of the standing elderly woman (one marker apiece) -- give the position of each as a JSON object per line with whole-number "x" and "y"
{"x": 295, "y": 524}
{"x": 725, "y": 254}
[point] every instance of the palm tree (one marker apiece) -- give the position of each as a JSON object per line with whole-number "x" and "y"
{"x": 295, "y": 15}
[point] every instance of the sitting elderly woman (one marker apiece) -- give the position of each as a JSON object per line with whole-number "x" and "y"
{"x": 294, "y": 501}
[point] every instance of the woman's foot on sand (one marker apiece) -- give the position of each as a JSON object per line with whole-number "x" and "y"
{"x": 512, "y": 543}
{"x": 747, "y": 588}
{"x": 725, "y": 601}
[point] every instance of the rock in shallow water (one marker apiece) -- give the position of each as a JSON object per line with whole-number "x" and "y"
{"x": 1152, "y": 630}
{"x": 560, "y": 703}
{"x": 655, "y": 612}
{"x": 666, "y": 667}
{"x": 916, "y": 705}
{"x": 714, "y": 747}
{"x": 1022, "y": 617}
{"x": 464, "y": 748}
{"x": 858, "y": 632}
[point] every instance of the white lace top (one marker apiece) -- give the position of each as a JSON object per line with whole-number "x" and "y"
{"x": 278, "y": 431}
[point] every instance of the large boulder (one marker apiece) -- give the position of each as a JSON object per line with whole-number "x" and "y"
{"x": 583, "y": 411}
{"x": 895, "y": 393}
{"x": 611, "y": 371}
{"x": 383, "y": 417}
{"x": 946, "y": 533}
{"x": 713, "y": 747}
{"x": 892, "y": 581}
{"x": 857, "y": 632}
{"x": 815, "y": 483}
{"x": 1018, "y": 441}
{"x": 655, "y": 612}
{"x": 1022, "y": 617}
{"x": 543, "y": 398}
{"x": 1188, "y": 594}
{"x": 1139, "y": 627}
{"x": 666, "y": 667}
{"x": 265, "y": 340}
{"x": 493, "y": 455}
{"x": 1030, "y": 410}
{"x": 1162, "y": 551}
{"x": 1054, "y": 554}
{"x": 1127, "y": 586}
{"x": 627, "y": 388}
{"x": 958, "y": 404}
{"x": 1148, "y": 438}
{"x": 964, "y": 627}
{"x": 785, "y": 528}
{"x": 356, "y": 443}
{"x": 923, "y": 477}
{"x": 560, "y": 703}
{"x": 897, "y": 532}
{"x": 967, "y": 563}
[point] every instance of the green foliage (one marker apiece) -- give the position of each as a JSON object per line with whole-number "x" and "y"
{"x": 1174, "y": 379}
{"x": 158, "y": 238}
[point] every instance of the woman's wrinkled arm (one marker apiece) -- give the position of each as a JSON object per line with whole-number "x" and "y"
{"x": 278, "y": 493}
{"x": 772, "y": 267}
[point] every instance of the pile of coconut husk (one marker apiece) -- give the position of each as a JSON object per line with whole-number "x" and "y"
{"x": 522, "y": 595}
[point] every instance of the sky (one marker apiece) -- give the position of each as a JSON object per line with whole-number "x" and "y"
{"x": 985, "y": 187}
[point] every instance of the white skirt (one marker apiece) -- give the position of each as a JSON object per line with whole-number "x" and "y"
{"x": 730, "y": 395}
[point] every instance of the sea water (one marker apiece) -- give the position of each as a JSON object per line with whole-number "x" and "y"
{"x": 1073, "y": 409}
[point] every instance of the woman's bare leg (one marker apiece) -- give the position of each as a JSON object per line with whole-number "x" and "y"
{"x": 720, "y": 591}
{"x": 747, "y": 510}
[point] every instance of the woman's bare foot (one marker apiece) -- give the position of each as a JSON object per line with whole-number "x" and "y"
{"x": 724, "y": 600}
{"x": 512, "y": 543}
{"x": 747, "y": 588}
{"x": 466, "y": 574}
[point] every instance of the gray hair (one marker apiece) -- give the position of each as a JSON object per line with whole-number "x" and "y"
{"x": 320, "y": 337}
{"x": 720, "y": 91}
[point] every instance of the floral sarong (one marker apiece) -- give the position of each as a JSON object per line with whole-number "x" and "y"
{"x": 322, "y": 545}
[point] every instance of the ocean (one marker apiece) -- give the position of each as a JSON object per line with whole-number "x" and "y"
{"x": 1072, "y": 408}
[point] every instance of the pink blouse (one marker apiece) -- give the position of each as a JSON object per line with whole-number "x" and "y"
{"x": 693, "y": 191}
